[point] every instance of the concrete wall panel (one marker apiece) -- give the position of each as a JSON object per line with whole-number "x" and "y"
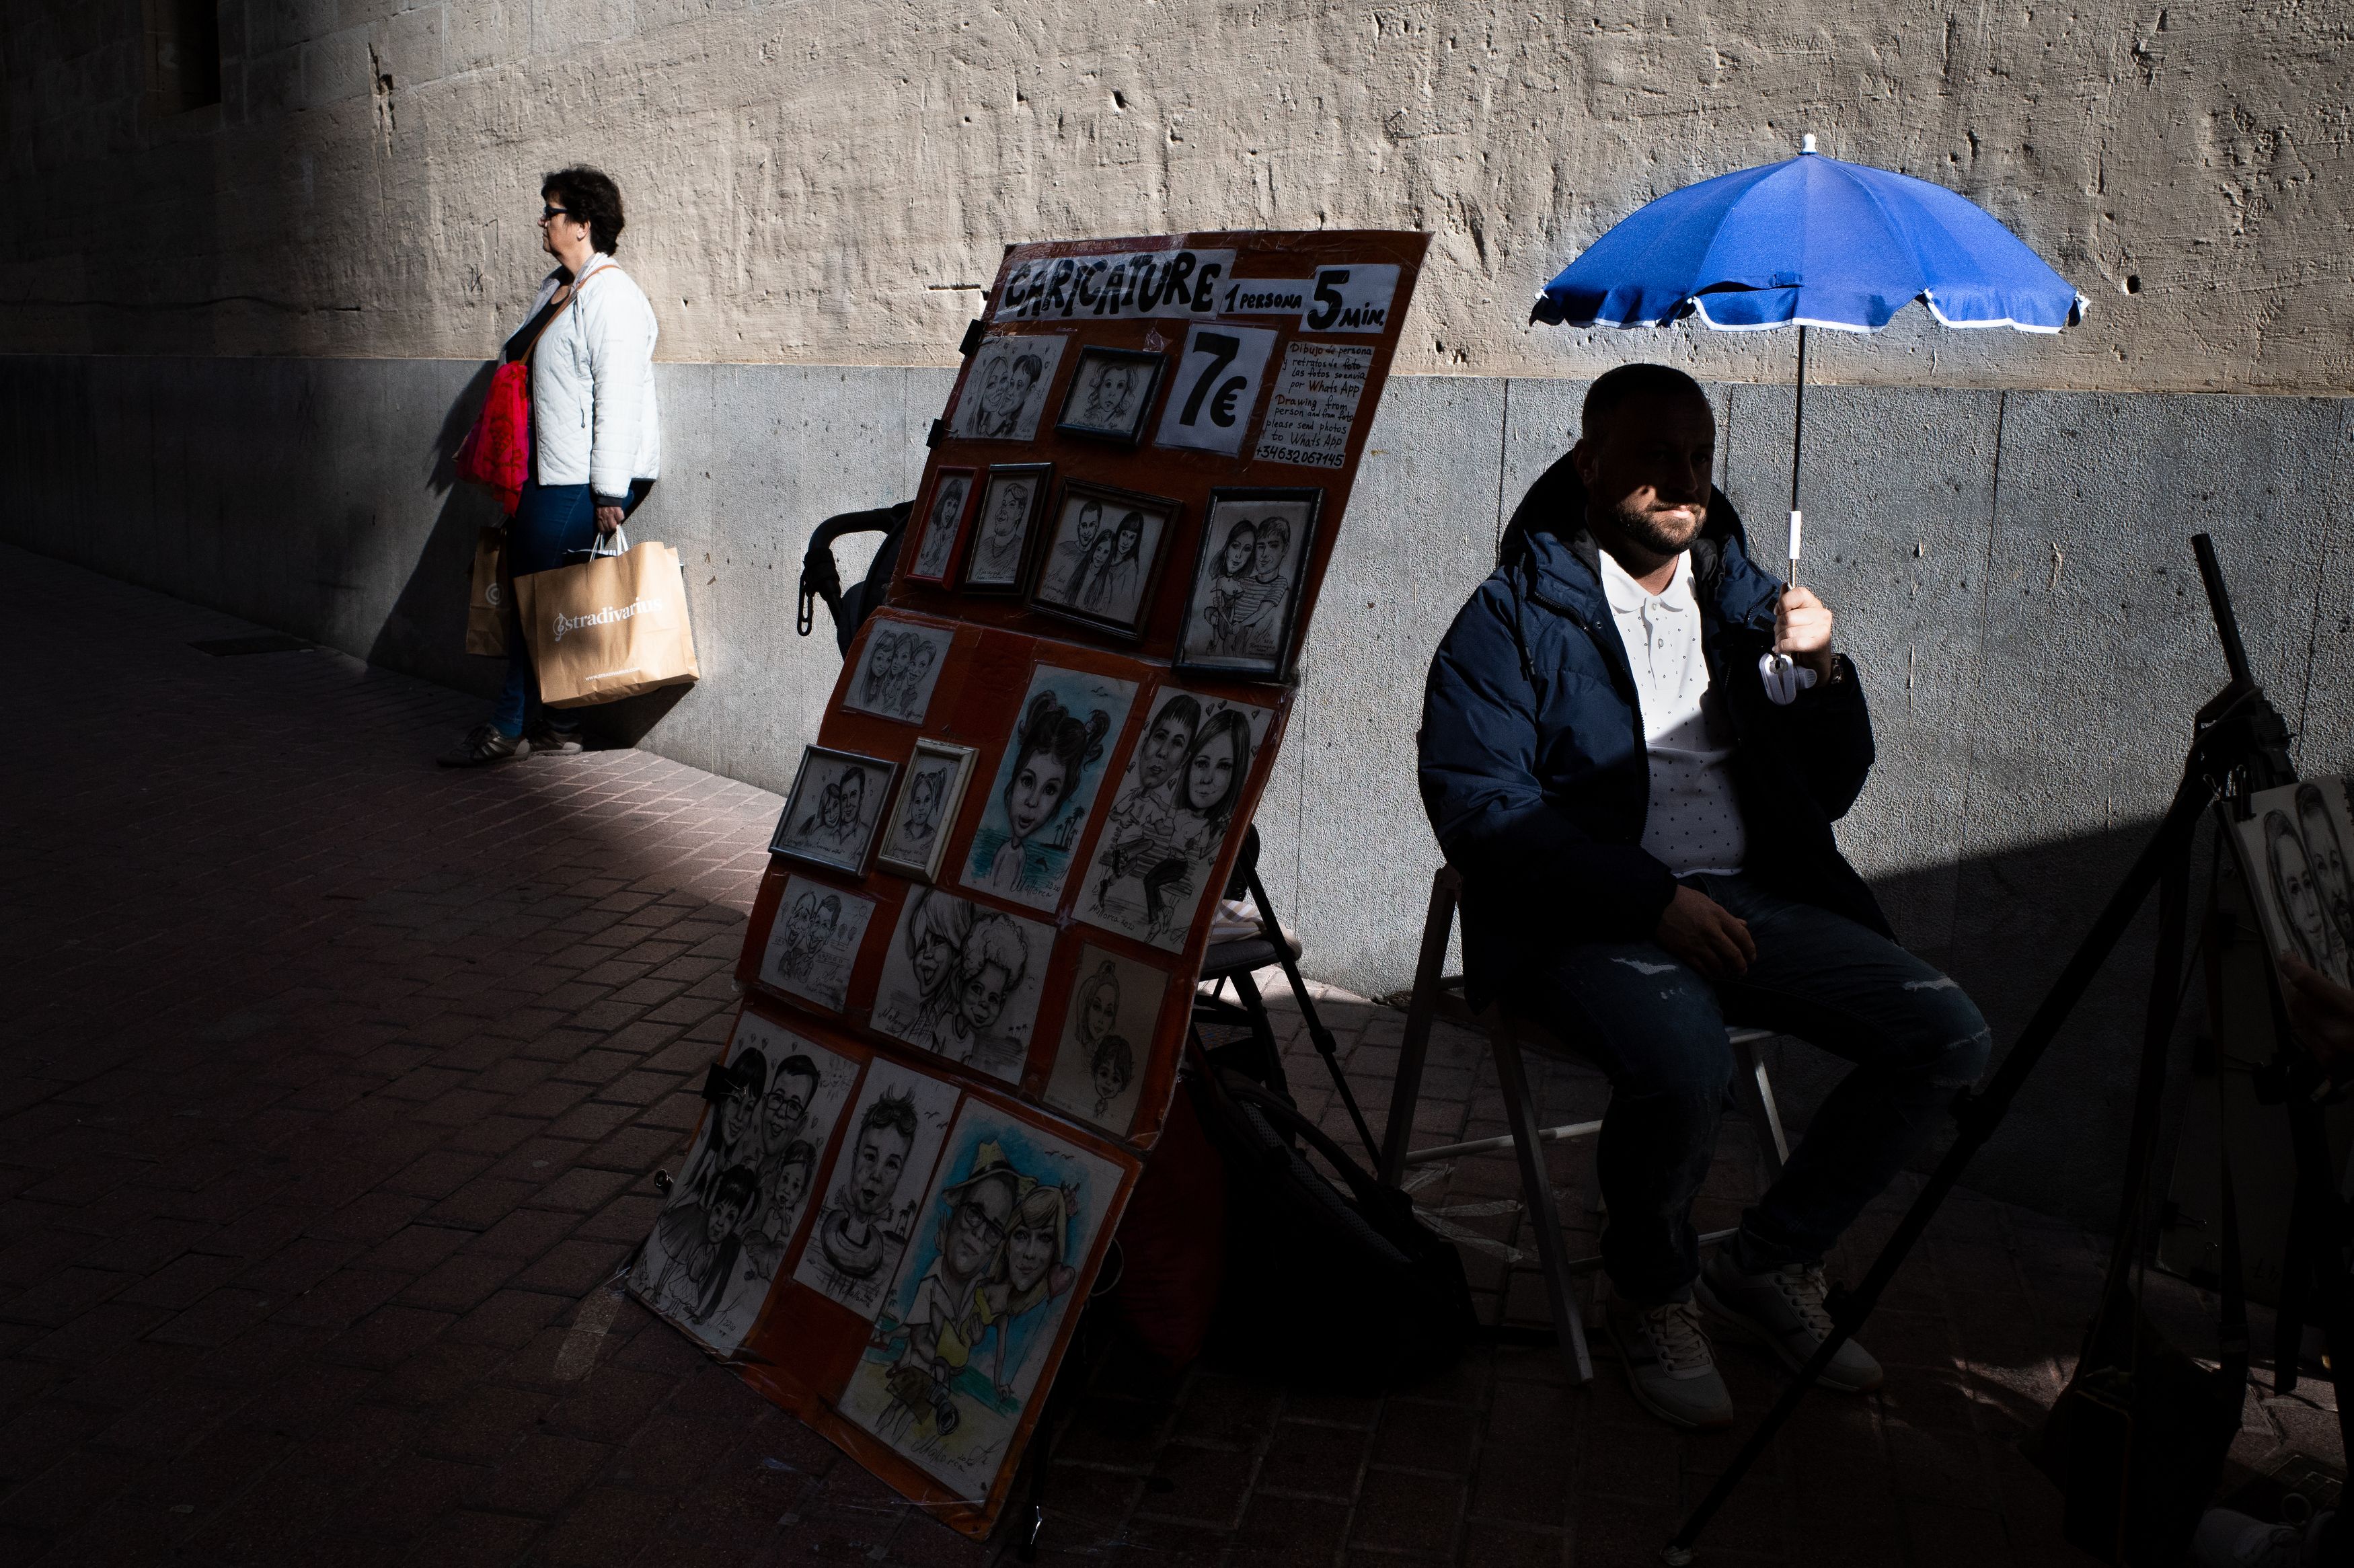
{"x": 2030, "y": 722}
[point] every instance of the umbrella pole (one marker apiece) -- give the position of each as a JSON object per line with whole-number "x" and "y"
{"x": 1798, "y": 447}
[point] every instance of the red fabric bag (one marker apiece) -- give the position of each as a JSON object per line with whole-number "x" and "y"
{"x": 496, "y": 454}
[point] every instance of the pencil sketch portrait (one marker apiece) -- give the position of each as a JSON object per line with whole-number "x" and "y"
{"x": 814, "y": 940}
{"x": 936, "y": 541}
{"x": 1170, "y": 817}
{"x": 897, "y": 669}
{"x": 963, "y": 982}
{"x": 837, "y": 800}
{"x": 930, "y": 792}
{"x": 1245, "y": 598}
{"x": 890, "y": 1140}
{"x": 1108, "y": 1033}
{"x": 1046, "y": 780}
{"x": 1005, "y": 389}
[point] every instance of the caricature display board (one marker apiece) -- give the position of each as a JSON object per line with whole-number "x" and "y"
{"x": 970, "y": 966}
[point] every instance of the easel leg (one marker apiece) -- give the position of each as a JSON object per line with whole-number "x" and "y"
{"x": 1321, "y": 1037}
{"x": 1544, "y": 1215}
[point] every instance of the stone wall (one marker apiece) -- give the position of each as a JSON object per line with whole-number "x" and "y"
{"x": 832, "y": 183}
{"x": 2011, "y": 571}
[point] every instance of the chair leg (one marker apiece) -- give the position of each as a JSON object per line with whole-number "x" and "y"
{"x": 1429, "y": 969}
{"x": 1536, "y": 1190}
{"x": 1755, "y": 1091}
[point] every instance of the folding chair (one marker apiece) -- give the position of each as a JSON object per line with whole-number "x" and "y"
{"x": 1440, "y": 995}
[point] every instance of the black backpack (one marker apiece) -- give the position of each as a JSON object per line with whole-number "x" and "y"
{"x": 820, "y": 578}
{"x": 1332, "y": 1287}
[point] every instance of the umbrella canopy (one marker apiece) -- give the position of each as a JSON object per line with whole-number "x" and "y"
{"x": 1810, "y": 241}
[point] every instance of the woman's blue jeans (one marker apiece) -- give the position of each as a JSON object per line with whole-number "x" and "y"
{"x": 553, "y": 526}
{"x": 1656, "y": 1028}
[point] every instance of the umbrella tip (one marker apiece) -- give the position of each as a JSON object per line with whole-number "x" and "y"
{"x": 1808, "y": 144}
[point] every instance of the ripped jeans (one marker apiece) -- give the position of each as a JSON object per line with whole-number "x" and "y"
{"x": 1656, "y": 1029}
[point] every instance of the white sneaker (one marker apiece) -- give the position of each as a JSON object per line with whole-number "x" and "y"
{"x": 1784, "y": 1311}
{"x": 1668, "y": 1362}
{"x": 2228, "y": 1539}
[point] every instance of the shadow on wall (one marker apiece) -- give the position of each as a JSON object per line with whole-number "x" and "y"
{"x": 2016, "y": 918}
{"x": 424, "y": 632}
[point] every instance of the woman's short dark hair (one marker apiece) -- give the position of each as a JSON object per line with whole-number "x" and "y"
{"x": 591, "y": 197}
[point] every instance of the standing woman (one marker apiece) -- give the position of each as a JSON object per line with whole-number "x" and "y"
{"x": 595, "y": 435}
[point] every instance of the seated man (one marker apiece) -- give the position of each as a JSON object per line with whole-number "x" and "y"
{"x": 1645, "y": 839}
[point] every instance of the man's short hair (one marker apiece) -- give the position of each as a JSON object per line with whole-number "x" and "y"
{"x": 1614, "y": 389}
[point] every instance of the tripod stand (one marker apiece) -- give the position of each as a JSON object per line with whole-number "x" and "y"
{"x": 2238, "y": 746}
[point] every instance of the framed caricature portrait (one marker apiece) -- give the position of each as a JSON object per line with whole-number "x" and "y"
{"x": 1110, "y": 393}
{"x": 922, "y": 817}
{"x": 836, "y": 804}
{"x": 1004, "y": 392}
{"x": 1244, "y": 605}
{"x": 1006, "y": 527}
{"x": 1103, "y": 556}
{"x": 940, "y": 522}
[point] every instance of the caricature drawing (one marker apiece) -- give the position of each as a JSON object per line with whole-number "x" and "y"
{"x": 1114, "y": 576}
{"x": 897, "y": 671}
{"x": 1248, "y": 581}
{"x": 1172, "y": 818}
{"x": 732, "y": 1214}
{"x": 963, "y": 982}
{"x": 815, "y": 941}
{"x": 1140, "y": 832}
{"x": 1071, "y": 555}
{"x": 940, "y": 526}
{"x": 997, "y": 554}
{"x": 949, "y": 1315}
{"x": 851, "y": 1231}
{"x": 2325, "y": 853}
{"x": 1006, "y": 390}
{"x": 962, "y": 1338}
{"x": 1115, "y": 1002}
{"x": 1049, "y": 770}
{"x": 889, "y": 1143}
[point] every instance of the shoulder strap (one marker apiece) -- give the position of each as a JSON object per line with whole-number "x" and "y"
{"x": 547, "y": 317}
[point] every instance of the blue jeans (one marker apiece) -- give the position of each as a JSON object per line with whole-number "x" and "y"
{"x": 553, "y": 526}
{"x": 1656, "y": 1029}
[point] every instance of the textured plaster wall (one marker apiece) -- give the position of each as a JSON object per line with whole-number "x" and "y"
{"x": 2011, "y": 571}
{"x": 830, "y": 183}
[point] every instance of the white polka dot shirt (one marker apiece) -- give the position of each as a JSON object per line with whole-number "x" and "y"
{"x": 1694, "y": 822}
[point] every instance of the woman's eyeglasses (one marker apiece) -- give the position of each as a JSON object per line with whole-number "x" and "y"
{"x": 547, "y": 212}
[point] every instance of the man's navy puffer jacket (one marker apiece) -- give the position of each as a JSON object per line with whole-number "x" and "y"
{"x": 1532, "y": 763}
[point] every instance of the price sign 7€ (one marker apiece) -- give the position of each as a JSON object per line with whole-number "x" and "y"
{"x": 1218, "y": 382}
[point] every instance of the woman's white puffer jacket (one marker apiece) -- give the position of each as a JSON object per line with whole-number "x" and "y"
{"x": 593, "y": 419}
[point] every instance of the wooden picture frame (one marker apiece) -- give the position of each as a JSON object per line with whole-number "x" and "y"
{"x": 994, "y": 563}
{"x": 933, "y": 784}
{"x": 1079, "y": 575}
{"x": 811, "y": 829}
{"x": 1239, "y": 622}
{"x": 1111, "y": 393}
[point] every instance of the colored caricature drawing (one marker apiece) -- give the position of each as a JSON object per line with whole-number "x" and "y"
{"x": 1046, "y": 781}
{"x": 980, "y": 1297}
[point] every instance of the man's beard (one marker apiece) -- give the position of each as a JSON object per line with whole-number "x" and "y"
{"x": 1653, "y": 532}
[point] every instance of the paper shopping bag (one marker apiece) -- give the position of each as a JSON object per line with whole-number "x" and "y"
{"x": 486, "y": 611}
{"x": 610, "y": 628}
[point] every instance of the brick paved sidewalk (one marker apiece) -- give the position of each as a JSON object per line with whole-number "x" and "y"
{"x": 329, "y": 1095}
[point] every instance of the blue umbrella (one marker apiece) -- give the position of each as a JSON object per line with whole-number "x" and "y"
{"x": 1814, "y": 242}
